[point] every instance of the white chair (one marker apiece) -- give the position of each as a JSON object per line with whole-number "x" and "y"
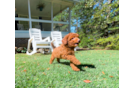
{"x": 57, "y": 38}
{"x": 37, "y": 42}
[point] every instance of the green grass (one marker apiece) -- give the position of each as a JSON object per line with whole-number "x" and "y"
{"x": 36, "y": 72}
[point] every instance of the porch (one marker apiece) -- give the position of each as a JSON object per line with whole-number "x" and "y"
{"x": 47, "y": 15}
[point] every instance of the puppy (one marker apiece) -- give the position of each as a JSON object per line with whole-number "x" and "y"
{"x": 66, "y": 50}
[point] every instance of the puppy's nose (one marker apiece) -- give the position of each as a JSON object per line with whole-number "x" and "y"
{"x": 78, "y": 40}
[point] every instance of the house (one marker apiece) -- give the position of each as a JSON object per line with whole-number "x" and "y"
{"x": 43, "y": 14}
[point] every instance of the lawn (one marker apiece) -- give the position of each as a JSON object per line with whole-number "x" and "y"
{"x": 99, "y": 66}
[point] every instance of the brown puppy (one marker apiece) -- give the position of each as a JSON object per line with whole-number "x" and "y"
{"x": 66, "y": 50}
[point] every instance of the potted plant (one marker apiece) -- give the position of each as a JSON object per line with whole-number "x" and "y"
{"x": 40, "y": 6}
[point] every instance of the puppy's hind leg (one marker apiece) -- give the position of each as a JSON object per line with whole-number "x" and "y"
{"x": 52, "y": 59}
{"x": 58, "y": 60}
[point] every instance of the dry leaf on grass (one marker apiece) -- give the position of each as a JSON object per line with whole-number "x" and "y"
{"x": 48, "y": 68}
{"x": 18, "y": 68}
{"x": 103, "y": 72}
{"x": 24, "y": 70}
{"x": 44, "y": 73}
{"x": 86, "y": 67}
{"x": 69, "y": 72}
{"x": 111, "y": 76}
{"x": 87, "y": 81}
{"x": 24, "y": 61}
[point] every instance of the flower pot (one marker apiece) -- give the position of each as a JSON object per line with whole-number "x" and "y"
{"x": 41, "y": 9}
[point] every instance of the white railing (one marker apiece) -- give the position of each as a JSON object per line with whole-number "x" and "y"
{"x": 25, "y": 33}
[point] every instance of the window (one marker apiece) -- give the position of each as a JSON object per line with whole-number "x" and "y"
{"x": 40, "y": 16}
{"x": 42, "y": 26}
{"x": 60, "y": 27}
{"x": 21, "y": 8}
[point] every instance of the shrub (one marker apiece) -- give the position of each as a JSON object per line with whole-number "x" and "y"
{"x": 86, "y": 41}
{"x": 22, "y": 50}
{"x": 112, "y": 42}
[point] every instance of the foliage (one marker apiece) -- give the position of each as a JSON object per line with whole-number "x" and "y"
{"x": 84, "y": 40}
{"x": 111, "y": 42}
{"x": 94, "y": 20}
{"x": 22, "y": 51}
{"x": 18, "y": 50}
{"x": 98, "y": 20}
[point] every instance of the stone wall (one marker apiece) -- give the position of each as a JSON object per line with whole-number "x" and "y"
{"x": 21, "y": 42}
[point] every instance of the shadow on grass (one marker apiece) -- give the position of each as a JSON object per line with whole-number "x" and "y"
{"x": 80, "y": 66}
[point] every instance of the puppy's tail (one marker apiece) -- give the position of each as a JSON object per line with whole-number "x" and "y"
{"x": 53, "y": 44}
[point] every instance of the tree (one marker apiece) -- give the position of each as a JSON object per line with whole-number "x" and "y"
{"x": 97, "y": 19}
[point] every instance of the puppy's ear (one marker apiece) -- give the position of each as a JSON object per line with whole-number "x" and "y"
{"x": 65, "y": 39}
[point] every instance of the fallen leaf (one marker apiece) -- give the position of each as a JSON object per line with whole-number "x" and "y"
{"x": 86, "y": 67}
{"x": 47, "y": 68}
{"x": 103, "y": 72}
{"x": 38, "y": 64}
{"x": 24, "y": 61}
{"x": 111, "y": 76}
{"x": 87, "y": 81}
{"x": 69, "y": 72}
{"x": 44, "y": 73}
{"x": 103, "y": 64}
{"x": 24, "y": 70}
{"x": 18, "y": 68}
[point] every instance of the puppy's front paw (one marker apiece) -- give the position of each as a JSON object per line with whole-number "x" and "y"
{"x": 50, "y": 62}
{"x": 76, "y": 69}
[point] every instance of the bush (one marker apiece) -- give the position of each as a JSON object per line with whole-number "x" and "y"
{"x": 86, "y": 41}
{"x": 19, "y": 50}
{"x": 112, "y": 42}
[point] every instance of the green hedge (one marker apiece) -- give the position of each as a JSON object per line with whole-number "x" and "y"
{"x": 112, "y": 42}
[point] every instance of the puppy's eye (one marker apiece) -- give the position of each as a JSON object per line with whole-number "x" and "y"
{"x": 72, "y": 38}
